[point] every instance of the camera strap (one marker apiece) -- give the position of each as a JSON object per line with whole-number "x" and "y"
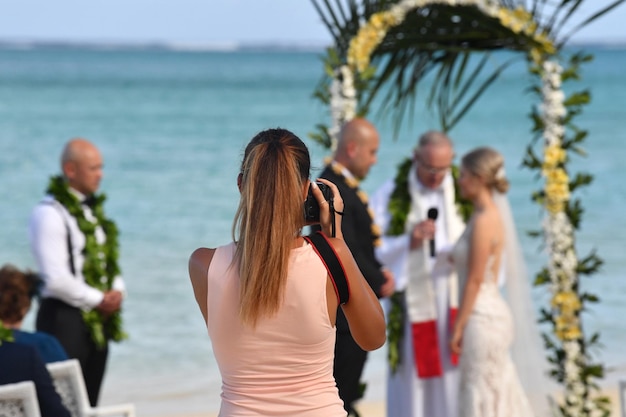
{"x": 333, "y": 265}
{"x": 331, "y": 206}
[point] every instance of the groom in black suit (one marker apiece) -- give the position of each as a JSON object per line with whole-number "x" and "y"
{"x": 355, "y": 155}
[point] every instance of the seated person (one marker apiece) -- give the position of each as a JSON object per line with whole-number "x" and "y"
{"x": 20, "y": 363}
{"x": 17, "y": 289}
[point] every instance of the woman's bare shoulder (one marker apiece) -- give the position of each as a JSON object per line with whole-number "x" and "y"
{"x": 199, "y": 262}
{"x": 486, "y": 217}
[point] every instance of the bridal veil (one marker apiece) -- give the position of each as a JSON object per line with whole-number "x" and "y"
{"x": 527, "y": 350}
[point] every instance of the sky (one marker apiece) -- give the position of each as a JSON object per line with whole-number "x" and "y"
{"x": 198, "y": 22}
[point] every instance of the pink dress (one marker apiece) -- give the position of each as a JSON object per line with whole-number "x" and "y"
{"x": 284, "y": 366}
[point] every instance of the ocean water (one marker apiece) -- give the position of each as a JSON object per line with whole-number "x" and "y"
{"x": 172, "y": 127}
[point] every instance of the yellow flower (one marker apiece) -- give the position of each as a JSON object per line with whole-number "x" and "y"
{"x": 516, "y": 25}
{"x": 557, "y": 192}
{"x": 530, "y": 28}
{"x": 567, "y": 329}
{"x": 363, "y": 196}
{"x": 362, "y": 45}
{"x": 545, "y": 42}
{"x": 375, "y": 229}
{"x": 553, "y": 155}
{"x": 556, "y": 177}
{"x": 573, "y": 333}
{"x": 521, "y": 21}
{"x": 504, "y": 15}
{"x": 376, "y": 20}
{"x": 568, "y": 302}
{"x": 368, "y": 38}
{"x": 536, "y": 55}
{"x": 522, "y": 14}
{"x": 555, "y": 207}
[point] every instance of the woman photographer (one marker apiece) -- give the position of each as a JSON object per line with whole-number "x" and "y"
{"x": 268, "y": 301}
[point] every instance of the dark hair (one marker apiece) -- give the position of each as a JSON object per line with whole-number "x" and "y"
{"x": 17, "y": 289}
{"x": 275, "y": 168}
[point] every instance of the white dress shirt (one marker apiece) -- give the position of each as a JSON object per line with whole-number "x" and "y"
{"x": 394, "y": 250}
{"x": 48, "y": 227}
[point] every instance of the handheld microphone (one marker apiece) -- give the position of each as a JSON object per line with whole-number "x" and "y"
{"x": 432, "y": 215}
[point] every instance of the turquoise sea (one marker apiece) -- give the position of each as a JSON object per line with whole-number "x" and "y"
{"x": 172, "y": 126}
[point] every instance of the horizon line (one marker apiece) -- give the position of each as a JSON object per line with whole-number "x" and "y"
{"x": 214, "y": 46}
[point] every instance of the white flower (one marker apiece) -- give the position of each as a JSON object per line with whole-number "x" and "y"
{"x": 554, "y": 80}
{"x": 572, "y": 399}
{"x": 571, "y": 348}
{"x": 556, "y": 96}
{"x": 556, "y": 130}
{"x": 578, "y": 389}
{"x": 596, "y": 413}
{"x": 571, "y": 370}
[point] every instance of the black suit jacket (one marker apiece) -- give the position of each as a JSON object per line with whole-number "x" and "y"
{"x": 22, "y": 363}
{"x": 356, "y": 226}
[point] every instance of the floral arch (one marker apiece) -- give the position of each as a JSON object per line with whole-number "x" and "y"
{"x": 386, "y": 47}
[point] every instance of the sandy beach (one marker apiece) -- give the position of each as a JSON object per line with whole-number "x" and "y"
{"x": 196, "y": 394}
{"x": 190, "y": 405}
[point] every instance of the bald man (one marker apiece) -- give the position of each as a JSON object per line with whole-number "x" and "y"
{"x": 356, "y": 153}
{"x": 58, "y": 245}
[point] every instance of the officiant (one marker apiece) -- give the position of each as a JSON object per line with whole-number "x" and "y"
{"x": 416, "y": 212}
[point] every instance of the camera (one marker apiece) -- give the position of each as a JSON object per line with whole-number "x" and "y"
{"x": 311, "y": 207}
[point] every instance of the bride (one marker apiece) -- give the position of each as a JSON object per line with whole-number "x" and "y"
{"x": 487, "y": 326}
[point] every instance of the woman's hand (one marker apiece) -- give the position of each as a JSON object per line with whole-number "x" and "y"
{"x": 325, "y": 216}
{"x": 456, "y": 341}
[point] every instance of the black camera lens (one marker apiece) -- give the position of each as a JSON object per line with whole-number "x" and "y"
{"x": 311, "y": 207}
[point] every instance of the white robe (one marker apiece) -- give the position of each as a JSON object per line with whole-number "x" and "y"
{"x": 408, "y": 395}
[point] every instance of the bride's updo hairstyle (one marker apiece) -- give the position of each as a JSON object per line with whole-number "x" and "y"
{"x": 488, "y": 164}
{"x": 274, "y": 171}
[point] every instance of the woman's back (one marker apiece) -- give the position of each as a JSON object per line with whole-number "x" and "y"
{"x": 47, "y": 345}
{"x": 283, "y": 366}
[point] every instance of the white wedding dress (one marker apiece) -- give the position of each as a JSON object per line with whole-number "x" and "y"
{"x": 489, "y": 383}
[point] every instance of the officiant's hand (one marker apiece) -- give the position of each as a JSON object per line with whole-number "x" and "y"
{"x": 424, "y": 230}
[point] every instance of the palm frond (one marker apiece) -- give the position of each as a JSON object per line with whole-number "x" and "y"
{"x": 438, "y": 40}
{"x": 590, "y": 19}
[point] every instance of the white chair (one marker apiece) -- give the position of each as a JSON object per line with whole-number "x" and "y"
{"x": 19, "y": 400}
{"x": 69, "y": 383}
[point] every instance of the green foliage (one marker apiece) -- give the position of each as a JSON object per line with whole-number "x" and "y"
{"x": 590, "y": 264}
{"x": 395, "y": 330}
{"x": 572, "y": 142}
{"x": 542, "y": 277}
{"x": 400, "y": 200}
{"x": 6, "y": 334}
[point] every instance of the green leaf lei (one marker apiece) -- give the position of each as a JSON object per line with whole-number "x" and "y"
{"x": 6, "y": 334}
{"x": 101, "y": 266}
{"x": 399, "y": 206}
